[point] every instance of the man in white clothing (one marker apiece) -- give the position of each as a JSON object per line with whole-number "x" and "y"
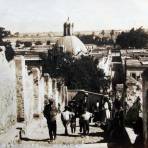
{"x": 66, "y": 117}
{"x": 85, "y": 119}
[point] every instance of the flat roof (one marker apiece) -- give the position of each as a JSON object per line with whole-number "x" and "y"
{"x": 133, "y": 62}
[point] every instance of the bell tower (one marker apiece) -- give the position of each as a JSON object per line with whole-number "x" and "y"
{"x": 68, "y": 28}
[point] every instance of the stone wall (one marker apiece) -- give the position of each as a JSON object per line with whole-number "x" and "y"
{"x": 23, "y": 91}
{"x": 7, "y": 93}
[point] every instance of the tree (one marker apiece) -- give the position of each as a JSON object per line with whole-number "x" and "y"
{"x": 38, "y": 43}
{"x": 48, "y": 42}
{"x": 78, "y": 73}
{"x": 18, "y": 43}
{"x": 27, "y": 44}
{"x": 3, "y": 33}
{"x": 112, "y": 33}
{"x": 16, "y": 34}
{"x": 103, "y": 33}
{"x": 87, "y": 39}
{"x": 56, "y": 62}
{"x": 9, "y": 52}
{"x": 133, "y": 39}
{"x": 84, "y": 74}
{"x": 103, "y": 38}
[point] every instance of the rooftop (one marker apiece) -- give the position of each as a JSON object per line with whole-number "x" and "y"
{"x": 133, "y": 62}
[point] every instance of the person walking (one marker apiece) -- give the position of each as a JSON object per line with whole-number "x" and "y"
{"x": 50, "y": 113}
{"x": 85, "y": 117}
{"x": 66, "y": 117}
{"x": 107, "y": 111}
{"x": 73, "y": 123}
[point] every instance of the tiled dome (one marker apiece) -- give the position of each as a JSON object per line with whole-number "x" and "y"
{"x": 72, "y": 44}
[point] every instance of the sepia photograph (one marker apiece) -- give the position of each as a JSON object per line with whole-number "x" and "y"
{"x": 73, "y": 73}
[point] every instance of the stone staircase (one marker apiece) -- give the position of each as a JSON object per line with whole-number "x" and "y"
{"x": 12, "y": 136}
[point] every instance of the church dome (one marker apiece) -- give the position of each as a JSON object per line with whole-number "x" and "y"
{"x": 71, "y": 44}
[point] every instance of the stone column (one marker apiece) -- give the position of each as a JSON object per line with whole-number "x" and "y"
{"x": 66, "y": 95}
{"x": 42, "y": 92}
{"x": 55, "y": 91}
{"x": 20, "y": 84}
{"x": 29, "y": 96}
{"x": 48, "y": 92}
{"x": 46, "y": 82}
{"x": 145, "y": 105}
{"x": 62, "y": 97}
{"x": 60, "y": 94}
{"x": 50, "y": 89}
{"x": 37, "y": 98}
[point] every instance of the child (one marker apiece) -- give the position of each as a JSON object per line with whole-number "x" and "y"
{"x": 73, "y": 123}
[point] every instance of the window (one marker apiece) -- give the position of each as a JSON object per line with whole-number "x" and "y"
{"x": 134, "y": 75}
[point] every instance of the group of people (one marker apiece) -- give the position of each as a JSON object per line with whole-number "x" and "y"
{"x": 110, "y": 114}
{"x": 68, "y": 117}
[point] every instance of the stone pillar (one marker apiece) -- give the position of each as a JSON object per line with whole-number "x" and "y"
{"x": 29, "y": 96}
{"x": 20, "y": 84}
{"x": 66, "y": 95}
{"x": 145, "y": 105}
{"x": 42, "y": 92}
{"x": 55, "y": 91}
{"x": 46, "y": 82}
{"x": 60, "y": 95}
{"x": 37, "y": 97}
{"x": 48, "y": 85}
{"x": 50, "y": 92}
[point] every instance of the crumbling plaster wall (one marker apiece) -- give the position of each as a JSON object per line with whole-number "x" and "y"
{"x": 7, "y": 92}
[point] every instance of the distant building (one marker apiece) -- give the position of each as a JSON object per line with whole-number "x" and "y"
{"x": 136, "y": 61}
{"x": 135, "y": 67}
{"x": 117, "y": 67}
{"x": 68, "y": 28}
{"x": 69, "y": 42}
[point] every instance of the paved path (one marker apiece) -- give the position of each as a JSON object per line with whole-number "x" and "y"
{"x": 36, "y": 136}
{"x": 37, "y": 132}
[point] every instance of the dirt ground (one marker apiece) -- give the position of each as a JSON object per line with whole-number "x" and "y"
{"x": 37, "y": 132}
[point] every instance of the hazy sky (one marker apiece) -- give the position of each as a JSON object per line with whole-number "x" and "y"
{"x": 49, "y": 15}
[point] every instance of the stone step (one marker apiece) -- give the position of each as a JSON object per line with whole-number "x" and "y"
{"x": 12, "y": 135}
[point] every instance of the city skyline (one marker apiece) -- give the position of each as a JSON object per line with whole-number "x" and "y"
{"x": 87, "y": 15}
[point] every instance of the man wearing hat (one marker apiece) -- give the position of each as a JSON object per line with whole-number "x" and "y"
{"x": 50, "y": 113}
